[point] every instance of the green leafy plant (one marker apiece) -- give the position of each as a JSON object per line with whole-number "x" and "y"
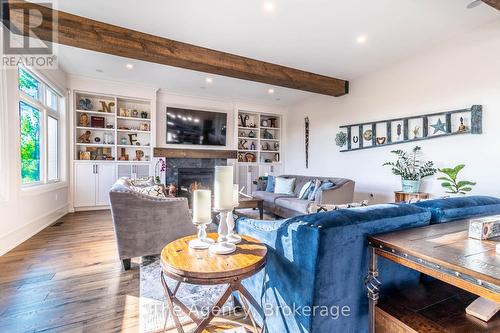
{"x": 450, "y": 182}
{"x": 410, "y": 166}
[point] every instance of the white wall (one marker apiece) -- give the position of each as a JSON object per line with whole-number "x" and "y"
{"x": 456, "y": 75}
{"x": 24, "y": 212}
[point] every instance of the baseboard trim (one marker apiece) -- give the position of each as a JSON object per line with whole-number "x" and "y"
{"x": 13, "y": 239}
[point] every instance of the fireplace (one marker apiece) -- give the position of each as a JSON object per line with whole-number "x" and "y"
{"x": 190, "y": 179}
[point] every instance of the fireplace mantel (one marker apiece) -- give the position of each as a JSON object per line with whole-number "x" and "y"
{"x": 194, "y": 153}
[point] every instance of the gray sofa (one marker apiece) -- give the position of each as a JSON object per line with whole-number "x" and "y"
{"x": 144, "y": 224}
{"x": 288, "y": 206}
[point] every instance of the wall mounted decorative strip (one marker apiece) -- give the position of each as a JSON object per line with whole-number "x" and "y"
{"x": 409, "y": 129}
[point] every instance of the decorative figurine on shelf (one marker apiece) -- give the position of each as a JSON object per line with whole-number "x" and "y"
{"x": 341, "y": 139}
{"x": 277, "y": 157}
{"x": 241, "y": 158}
{"x": 123, "y": 141}
{"x": 106, "y": 106}
{"x": 439, "y": 126}
{"x": 135, "y": 113}
{"x": 462, "y": 128}
{"x": 267, "y": 135}
{"x": 399, "y": 131}
{"x": 273, "y": 122}
{"x": 124, "y": 112}
{"x": 85, "y": 104}
{"x": 264, "y": 123}
{"x": 144, "y": 127}
{"x": 276, "y": 146}
{"x": 243, "y": 144}
{"x": 251, "y": 134}
{"x": 249, "y": 157}
{"x": 132, "y": 137}
{"x": 108, "y": 138}
{"x": 243, "y": 120}
{"x": 416, "y": 131}
{"x": 144, "y": 115}
{"x": 172, "y": 190}
{"x": 97, "y": 139}
{"x": 252, "y": 146}
{"x": 84, "y": 120}
{"x": 85, "y": 137}
{"x": 139, "y": 154}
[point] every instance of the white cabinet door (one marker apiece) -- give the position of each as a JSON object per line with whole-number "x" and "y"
{"x": 106, "y": 177}
{"x": 125, "y": 170}
{"x": 85, "y": 186}
{"x": 142, "y": 170}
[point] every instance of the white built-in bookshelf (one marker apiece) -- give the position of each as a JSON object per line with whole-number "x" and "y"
{"x": 119, "y": 132}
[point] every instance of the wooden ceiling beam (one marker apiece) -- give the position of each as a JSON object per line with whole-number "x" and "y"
{"x": 493, "y": 3}
{"x": 84, "y": 33}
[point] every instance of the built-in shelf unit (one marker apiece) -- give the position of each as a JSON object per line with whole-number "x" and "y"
{"x": 113, "y": 137}
{"x": 259, "y": 139}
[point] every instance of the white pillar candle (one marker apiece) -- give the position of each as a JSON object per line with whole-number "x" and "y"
{"x": 223, "y": 187}
{"x": 202, "y": 206}
{"x": 236, "y": 195}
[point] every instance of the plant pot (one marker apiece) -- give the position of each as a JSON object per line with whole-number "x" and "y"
{"x": 410, "y": 186}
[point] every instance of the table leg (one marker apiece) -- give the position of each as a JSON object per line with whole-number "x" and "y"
{"x": 373, "y": 286}
{"x": 260, "y": 205}
{"x": 170, "y": 304}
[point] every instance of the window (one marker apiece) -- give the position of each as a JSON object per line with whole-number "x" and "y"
{"x": 39, "y": 112}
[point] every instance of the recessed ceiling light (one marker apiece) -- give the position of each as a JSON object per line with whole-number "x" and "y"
{"x": 209, "y": 80}
{"x": 99, "y": 70}
{"x": 361, "y": 39}
{"x": 129, "y": 66}
{"x": 474, "y": 4}
{"x": 270, "y": 91}
{"x": 268, "y": 6}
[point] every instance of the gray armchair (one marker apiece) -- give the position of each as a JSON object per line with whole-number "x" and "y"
{"x": 144, "y": 224}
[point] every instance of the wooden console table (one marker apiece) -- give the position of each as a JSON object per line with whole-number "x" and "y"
{"x": 443, "y": 251}
{"x": 400, "y": 196}
{"x": 186, "y": 265}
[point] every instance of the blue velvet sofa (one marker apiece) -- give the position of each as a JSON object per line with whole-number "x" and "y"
{"x": 314, "y": 279}
{"x": 319, "y": 261}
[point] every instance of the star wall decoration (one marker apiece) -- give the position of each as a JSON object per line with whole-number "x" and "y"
{"x": 439, "y": 126}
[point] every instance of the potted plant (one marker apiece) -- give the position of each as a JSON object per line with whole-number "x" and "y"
{"x": 411, "y": 169}
{"x": 450, "y": 182}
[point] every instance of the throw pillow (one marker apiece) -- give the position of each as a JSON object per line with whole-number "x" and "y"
{"x": 270, "y": 184}
{"x": 312, "y": 193}
{"x": 147, "y": 181}
{"x": 156, "y": 191}
{"x": 284, "y": 185}
{"x": 324, "y": 186}
{"x": 316, "y": 208}
{"x": 304, "y": 191}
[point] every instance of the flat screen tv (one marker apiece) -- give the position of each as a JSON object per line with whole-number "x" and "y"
{"x": 194, "y": 127}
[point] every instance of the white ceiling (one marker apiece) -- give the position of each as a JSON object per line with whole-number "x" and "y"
{"x": 313, "y": 35}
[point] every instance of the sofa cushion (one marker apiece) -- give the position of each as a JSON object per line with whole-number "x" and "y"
{"x": 268, "y": 196}
{"x": 304, "y": 191}
{"x": 284, "y": 185}
{"x": 459, "y": 208}
{"x": 157, "y": 191}
{"x": 295, "y": 204}
{"x": 314, "y": 190}
{"x": 270, "y": 184}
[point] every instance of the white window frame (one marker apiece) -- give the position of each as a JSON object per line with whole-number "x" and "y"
{"x": 45, "y": 112}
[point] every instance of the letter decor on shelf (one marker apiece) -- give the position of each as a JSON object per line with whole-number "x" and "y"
{"x": 409, "y": 129}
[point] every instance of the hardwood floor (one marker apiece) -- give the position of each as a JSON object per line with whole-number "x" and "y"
{"x": 68, "y": 278}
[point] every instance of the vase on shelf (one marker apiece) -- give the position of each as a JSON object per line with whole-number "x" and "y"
{"x": 410, "y": 186}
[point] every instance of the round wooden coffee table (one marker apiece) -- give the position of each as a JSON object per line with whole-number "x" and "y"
{"x": 186, "y": 265}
